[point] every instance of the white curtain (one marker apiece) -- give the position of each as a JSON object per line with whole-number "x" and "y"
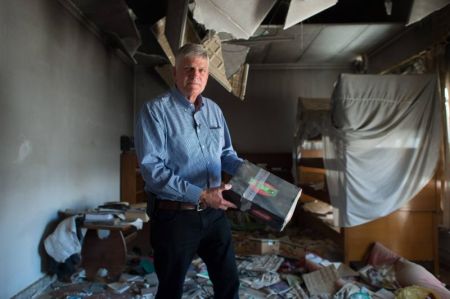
{"x": 382, "y": 146}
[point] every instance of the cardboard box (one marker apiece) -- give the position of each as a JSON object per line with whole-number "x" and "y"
{"x": 263, "y": 195}
{"x": 266, "y": 246}
{"x": 243, "y": 245}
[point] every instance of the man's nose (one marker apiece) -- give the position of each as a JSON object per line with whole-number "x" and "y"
{"x": 195, "y": 72}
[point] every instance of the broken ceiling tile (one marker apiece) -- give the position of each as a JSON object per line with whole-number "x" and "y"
{"x": 234, "y": 57}
{"x": 239, "y": 81}
{"x": 216, "y": 63}
{"x": 422, "y": 8}
{"x": 300, "y": 10}
{"x": 239, "y": 18}
{"x": 191, "y": 35}
{"x": 158, "y": 30}
{"x": 217, "y": 68}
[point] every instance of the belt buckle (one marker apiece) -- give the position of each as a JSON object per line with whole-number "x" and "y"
{"x": 200, "y": 207}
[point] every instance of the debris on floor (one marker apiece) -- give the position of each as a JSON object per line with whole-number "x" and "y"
{"x": 270, "y": 266}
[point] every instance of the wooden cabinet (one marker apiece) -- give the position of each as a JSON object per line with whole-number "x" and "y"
{"x": 311, "y": 178}
{"x": 131, "y": 181}
{"x": 411, "y": 231}
{"x": 132, "y": 191}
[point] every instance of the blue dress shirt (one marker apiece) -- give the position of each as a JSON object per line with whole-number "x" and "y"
{"x": 182, "y": 151}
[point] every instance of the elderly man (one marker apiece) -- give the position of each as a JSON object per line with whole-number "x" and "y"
{"x": 183, "y": 144}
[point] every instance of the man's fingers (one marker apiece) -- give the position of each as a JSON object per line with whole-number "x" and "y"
{"x": 228, "y": 204}
{"x": 226, "y": 187}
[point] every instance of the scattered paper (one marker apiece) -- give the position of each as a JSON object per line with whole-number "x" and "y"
{"x": 321, "y": 281}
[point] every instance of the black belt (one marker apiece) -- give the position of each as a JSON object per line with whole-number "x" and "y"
{"x": 178, "y": 205}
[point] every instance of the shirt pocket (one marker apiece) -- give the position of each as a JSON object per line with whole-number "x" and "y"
{"x": 217, "y": 137}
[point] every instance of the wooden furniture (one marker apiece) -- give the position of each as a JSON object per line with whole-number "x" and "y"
{"x": 108, "y": 252}
{"x": 132, "y": 191}
{"x": 411, "y": 231}
{"x": 131, "y": 181}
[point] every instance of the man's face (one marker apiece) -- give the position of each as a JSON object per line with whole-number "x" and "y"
{"x": 191, "y": 75}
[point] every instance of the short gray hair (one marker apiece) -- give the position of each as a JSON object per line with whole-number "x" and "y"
{"x": 192, "y": 50}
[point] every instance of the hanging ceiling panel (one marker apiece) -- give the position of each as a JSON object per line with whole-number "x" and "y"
{"x": 422, "y": 8}
{"x": 300, "y": 10}
{"x": 237, "y": 17}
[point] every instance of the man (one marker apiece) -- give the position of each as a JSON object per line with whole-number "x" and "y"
{"x": 183, "y": 143}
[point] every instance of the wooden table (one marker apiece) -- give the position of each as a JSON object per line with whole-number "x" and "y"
{"x": 109, "y": 253}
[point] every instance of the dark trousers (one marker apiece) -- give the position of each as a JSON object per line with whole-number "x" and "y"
{"x": 177, "y": 235}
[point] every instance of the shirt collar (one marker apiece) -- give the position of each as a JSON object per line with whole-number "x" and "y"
{"x": 183, "y": 100}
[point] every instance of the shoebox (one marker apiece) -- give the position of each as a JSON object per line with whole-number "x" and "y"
{"x": 263, "y": 195}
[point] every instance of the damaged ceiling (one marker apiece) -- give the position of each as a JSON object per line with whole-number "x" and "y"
{"x": 262, "y": 33}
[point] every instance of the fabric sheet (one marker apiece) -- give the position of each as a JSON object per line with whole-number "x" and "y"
{"x": 382, "y": 145}
{"x": 63, "y": 242}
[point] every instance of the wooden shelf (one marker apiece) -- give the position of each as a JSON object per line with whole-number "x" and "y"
{"x": 132, "y": 190}
{"x": 315, "y": 162}
{"x": 131, "y": 181}
{"x": 309, "y": 193}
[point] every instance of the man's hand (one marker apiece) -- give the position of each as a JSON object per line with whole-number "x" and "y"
{"x": 213, "y": 198}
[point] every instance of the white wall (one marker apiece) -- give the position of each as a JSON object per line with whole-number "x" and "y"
{"x": 64, "y": 102}
{"x": 148, "y": 85}
{"x": 264, "y": 122}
